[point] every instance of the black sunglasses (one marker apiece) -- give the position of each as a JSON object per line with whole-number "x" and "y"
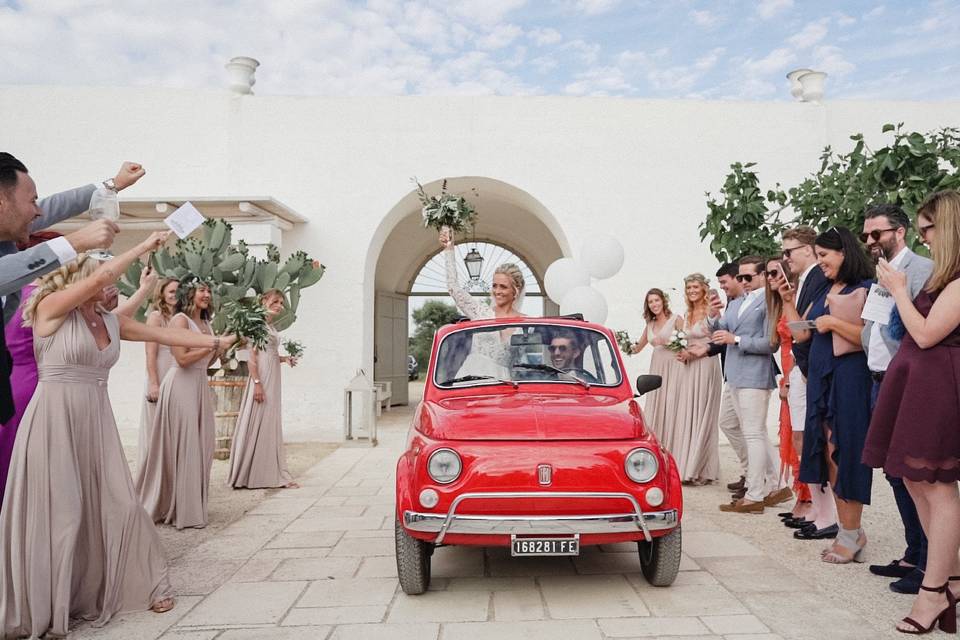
{"x": 746, "y": 277}
{"x": 787, "y": 252}
{"x": 876, "y": 234}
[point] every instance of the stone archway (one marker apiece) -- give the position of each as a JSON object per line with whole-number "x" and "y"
{"x": 508, "y": 216}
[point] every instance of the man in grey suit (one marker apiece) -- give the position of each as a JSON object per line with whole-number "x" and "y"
{"x": 884, "y": 233}
{"x": 20, "y": 213}
{"x": 750, "y": 375}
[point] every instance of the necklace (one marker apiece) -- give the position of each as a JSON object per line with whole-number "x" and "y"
{"x": 92, "y": 323}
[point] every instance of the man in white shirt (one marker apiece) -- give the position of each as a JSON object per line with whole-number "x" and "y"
{"x": 885, "y": 234}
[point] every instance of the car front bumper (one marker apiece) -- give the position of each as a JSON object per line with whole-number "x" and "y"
{"x": 456, "y": 523}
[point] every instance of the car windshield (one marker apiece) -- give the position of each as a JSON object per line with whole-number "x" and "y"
{"x": 526, "y": 353}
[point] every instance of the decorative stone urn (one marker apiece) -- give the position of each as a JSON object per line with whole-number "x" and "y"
{"x": 241, "y": 72}
{"x": 796, "y": 89}
{"x": 812, "y": 86}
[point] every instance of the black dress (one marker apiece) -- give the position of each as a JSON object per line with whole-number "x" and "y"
{"x": 838, "y": 395}
{"x": 915, "y": 432}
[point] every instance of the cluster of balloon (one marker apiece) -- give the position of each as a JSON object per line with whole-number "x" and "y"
{"x": 567, "y": 280}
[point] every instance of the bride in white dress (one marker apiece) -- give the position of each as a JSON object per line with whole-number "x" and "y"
{"x": 490, "y": 352}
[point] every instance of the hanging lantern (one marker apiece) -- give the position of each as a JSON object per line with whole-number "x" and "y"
{"x": 474, "y": 263}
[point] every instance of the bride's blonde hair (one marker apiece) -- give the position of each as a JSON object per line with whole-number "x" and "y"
{"x": 58, "y": 280}
{"x": 513, "y": 272}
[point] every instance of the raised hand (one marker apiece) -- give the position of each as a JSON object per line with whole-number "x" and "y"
{"x": 446, "y": 238}
{"x": 128, "y": 175}
{"x": 786, "y": 291}
{"x": 716, "y": 306}
{"x": 148, "y": 278}
{"x": 154, "y": 241}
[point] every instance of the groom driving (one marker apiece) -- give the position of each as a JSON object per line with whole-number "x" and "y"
{"x": 565, "y": 350}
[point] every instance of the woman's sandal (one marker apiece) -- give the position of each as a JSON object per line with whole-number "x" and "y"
{"x": 831, "y": 556}
{"x": 162, "y": 606}
{"x": 293, "y": 484}
{"x": 947, "y": 619}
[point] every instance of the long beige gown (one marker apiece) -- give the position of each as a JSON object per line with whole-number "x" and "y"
{"x": 660, "y": 408}
{"x": 174, "y": 482}
{"x": 74, "y": 539}
{"x": 694, "y": 437}
{"x": 257, "y": 458}
{"x": 149, "y": 409}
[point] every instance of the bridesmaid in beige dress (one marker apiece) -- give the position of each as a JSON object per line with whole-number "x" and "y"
{"x": 174, "y": 481}
{"x": 695, "y": 445}
{"x": 660, "y": 408}
{"x": 74, "y": 540}
{"x": 159, "y": 359}
{"x": 257, "y": 458}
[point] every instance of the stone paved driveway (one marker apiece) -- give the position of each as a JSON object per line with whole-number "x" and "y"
{"x": 318, "y": 563}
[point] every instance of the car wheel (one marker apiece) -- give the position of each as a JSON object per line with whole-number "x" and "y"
{"x": 413, "y": 561}
{"x": 660, "y": 558}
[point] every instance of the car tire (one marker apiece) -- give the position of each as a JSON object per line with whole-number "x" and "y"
{"x": 413, "y": 561}
{"x": 660, "y": 558}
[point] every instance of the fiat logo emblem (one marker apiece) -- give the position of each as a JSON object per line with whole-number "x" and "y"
{"x": 545, "y": 474}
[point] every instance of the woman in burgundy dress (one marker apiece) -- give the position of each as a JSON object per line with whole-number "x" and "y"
{"x": 915, "y": 434}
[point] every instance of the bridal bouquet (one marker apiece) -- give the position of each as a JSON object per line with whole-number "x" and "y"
{"x": 678, "y": 341}
{"x": 294, "y": 348}
{"x": 446, "y": 210}
{"x": 626, "y": 344}
{"x": 248, "y": 319}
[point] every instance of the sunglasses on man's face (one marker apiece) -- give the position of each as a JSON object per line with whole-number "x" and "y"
{"x": 876, "y": 234}
{"x": 788, "y": 250}
{"x": 748, "y": 277}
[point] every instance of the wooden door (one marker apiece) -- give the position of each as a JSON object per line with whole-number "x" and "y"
{"x": 391, "y": 344}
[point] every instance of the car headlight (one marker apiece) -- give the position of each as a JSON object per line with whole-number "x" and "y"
{"x": 444, "y": 466}
{"x": 641, "y": 465}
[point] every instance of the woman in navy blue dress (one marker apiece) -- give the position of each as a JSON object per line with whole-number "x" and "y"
{"x": 838, "y": 395}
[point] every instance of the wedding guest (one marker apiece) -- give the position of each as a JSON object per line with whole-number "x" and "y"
{"x": 660, "y": 407}
{"x": 781, "y": 337}
{"x": 74, "y": 540}
{"x": 257, "y": 458}
{"x": 914, "y": 434}
{"x": 801, "y": 260}
{"x": 750, "y": 374}
{"x": 490, "y": 351}
{"x": 885, "y": 234}
{"x": 159, "y": 359}
{"x": 174, "y": 481}
{"x": 695, "y": 439}
{"x": 838, "y": 388}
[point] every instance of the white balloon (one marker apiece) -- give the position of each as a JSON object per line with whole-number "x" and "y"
{"x": 562, "y": 276}
{"x": 602, "y": 256}
{"x": 585, "y": 300}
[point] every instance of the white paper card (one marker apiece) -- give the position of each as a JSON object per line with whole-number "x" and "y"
{"x": 802, "y": 325}
{"x": 878, "y": 306}
{"x": 184, "y": 220}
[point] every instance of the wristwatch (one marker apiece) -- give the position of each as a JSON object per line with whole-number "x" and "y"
{"x": 111, "y": 185}
{"x": 736, "y": 340}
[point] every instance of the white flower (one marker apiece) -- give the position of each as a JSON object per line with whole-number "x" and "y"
{"x": 683, "y": 343}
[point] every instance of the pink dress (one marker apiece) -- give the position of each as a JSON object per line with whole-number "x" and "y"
{"x": 23, "y": 379}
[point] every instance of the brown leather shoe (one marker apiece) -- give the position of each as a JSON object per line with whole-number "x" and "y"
{"x": 737, "y": 495}
{"x": 736, "y": 486}
{"x": 778, "y": 496}
{"x": 742, "y": 506}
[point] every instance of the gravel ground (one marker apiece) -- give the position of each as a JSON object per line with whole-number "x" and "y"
{"x": 851, "y": 586}
{"x": 227, "y": 504}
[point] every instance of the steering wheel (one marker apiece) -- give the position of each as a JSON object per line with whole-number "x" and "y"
{"x": 583, "y": 374}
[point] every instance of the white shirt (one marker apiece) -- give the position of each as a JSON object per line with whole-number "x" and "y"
{"x": 878, "y": 356}
{"x": 748, "y": 300}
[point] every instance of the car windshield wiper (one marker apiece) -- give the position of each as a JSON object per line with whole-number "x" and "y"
{"x": 473, "y": 378}
{"x": 550, "y": 367}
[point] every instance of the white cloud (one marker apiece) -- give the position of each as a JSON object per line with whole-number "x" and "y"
{"x": 501, "y": 36}
{"x": 704, "y": 18}
{"x": 594, "y": 7}
{"x": 599, "y": 82}
{"x": 844, "y": 20}
{"x": 810, "y": 35}
{"x": 876, "y": 12}
{"x": 544, "y": 36}
{"x": 482, "y": 12}
{"x": 831, "y": 59}
{"x": 776, "y": 60}
{"x": 586, "y": 52}
{"x": 769, "y": 8}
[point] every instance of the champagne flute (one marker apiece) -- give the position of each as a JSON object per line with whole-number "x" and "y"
{"x": 104, "y": 205}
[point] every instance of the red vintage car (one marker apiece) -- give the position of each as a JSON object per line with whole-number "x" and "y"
{"x": 529, "y": 436}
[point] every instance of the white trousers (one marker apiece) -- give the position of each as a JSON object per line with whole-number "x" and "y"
{"x": 762, "y": 461}
{"x": 730, "y": 425}
{"x": 797, "y": 399}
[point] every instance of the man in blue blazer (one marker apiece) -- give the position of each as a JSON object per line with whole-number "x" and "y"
{"x": 885, "y": 234}
{"x": 750, "y": 374}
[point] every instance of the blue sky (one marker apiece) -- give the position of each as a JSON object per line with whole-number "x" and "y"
{"x": 718, "y": 49}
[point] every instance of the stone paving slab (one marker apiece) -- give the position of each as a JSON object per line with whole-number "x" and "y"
{"x": 318, "y": 563}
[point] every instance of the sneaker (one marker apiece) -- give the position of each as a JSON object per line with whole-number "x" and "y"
{"x": 736, "y": 486}
{"x": 776, "y": 497}
{"x": 742, "y": 506}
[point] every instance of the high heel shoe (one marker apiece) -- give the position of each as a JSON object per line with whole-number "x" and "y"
{"x": 947, "y": 619}
{"x": 831, "y": 556}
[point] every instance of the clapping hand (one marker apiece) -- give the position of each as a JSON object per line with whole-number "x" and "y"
{"x": 128, "y": 175}
{"x": 890, "y": 279}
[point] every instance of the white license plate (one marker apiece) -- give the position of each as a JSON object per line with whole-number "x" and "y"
{"x": 545, "y": 546}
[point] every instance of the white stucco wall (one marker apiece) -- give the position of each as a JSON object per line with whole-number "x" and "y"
{"x": 636, "y": 168}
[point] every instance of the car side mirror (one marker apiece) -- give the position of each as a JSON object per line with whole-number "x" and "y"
{"x": 648, "y": 383}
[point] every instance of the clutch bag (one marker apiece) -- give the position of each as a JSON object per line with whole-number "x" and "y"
{"x": 846, "y": 307}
